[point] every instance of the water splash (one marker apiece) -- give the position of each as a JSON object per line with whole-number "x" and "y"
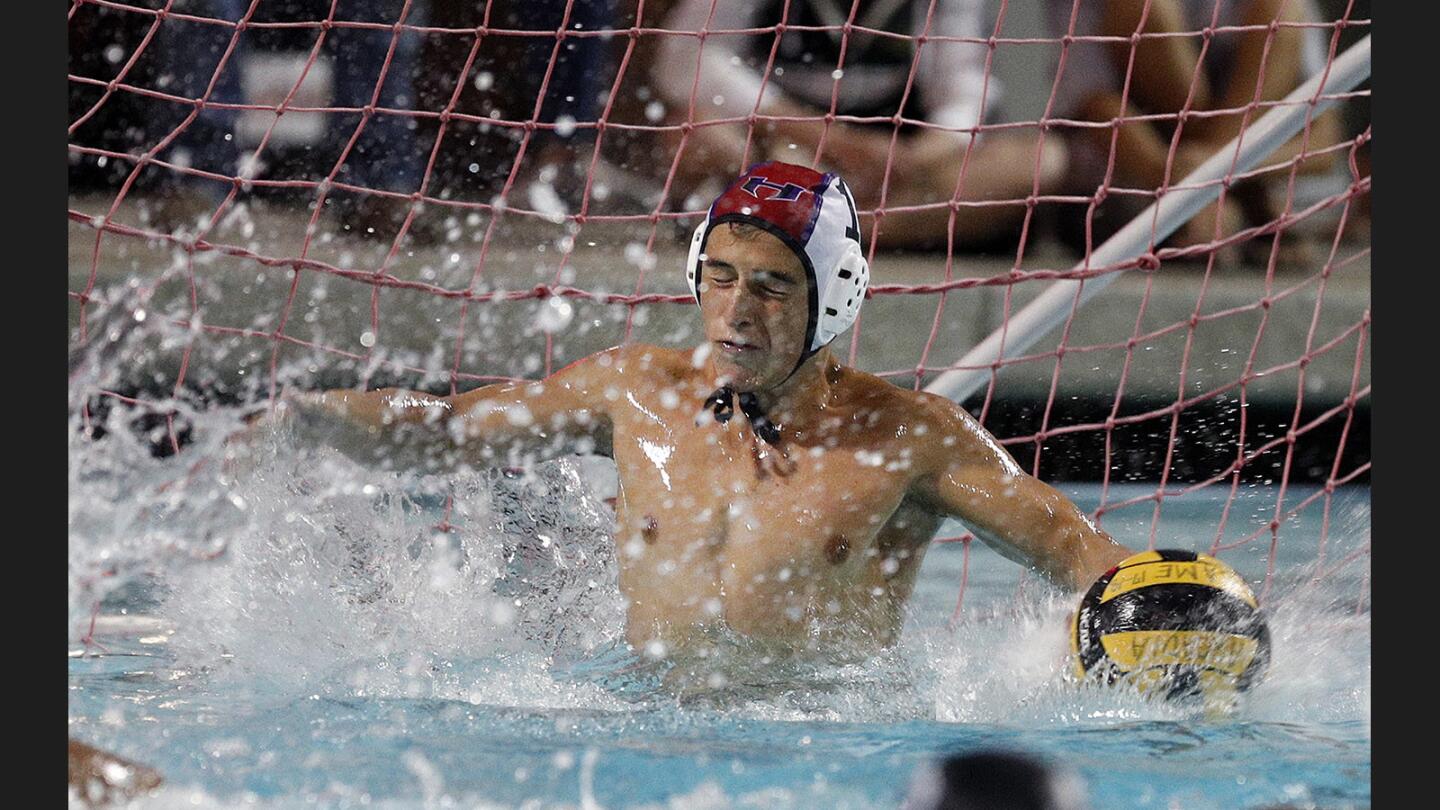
{"x": 304, "y": 588}
{"x": 299, "y": 569}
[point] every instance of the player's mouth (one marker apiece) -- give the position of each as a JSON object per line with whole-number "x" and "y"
{"x": 736, "y": 347}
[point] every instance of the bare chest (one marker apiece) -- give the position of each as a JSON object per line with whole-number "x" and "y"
{"x": 714, "y": 492}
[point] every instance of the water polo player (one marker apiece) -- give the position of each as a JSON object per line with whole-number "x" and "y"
{"x": 764, "y": 486}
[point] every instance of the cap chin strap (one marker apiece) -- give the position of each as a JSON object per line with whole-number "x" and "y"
{"x": 722, "y": 403}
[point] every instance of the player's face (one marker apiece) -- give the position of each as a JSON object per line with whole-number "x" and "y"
{"x": 754, "y": 297}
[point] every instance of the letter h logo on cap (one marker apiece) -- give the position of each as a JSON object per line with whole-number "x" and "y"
{"x": 786, "y": 193}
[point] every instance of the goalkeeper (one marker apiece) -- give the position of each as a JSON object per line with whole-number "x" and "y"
{"x": 765, "y": 488}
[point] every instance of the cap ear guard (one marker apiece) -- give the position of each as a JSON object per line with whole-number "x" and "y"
{"x": 692, "y": 264}
{"x": 843, "y": 295}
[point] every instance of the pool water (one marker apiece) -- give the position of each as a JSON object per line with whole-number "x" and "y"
{"x": 295, "y": 631}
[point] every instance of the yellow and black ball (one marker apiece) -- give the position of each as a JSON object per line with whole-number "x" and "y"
{"x": 1174, "y": 624}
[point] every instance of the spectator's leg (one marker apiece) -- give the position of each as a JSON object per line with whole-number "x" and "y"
{"x": 1141, "y": 155}
{"x": 1284, "y": 70}
{"x": 1165, "y": 67}
{"x": 1141, "y": 150}
{"x": 1282, "y": 57}
{"x": 711, "y": 154}
{"x": 572, "y": 93}
{"x": 1001, "y": 168}
{"x": 574, "y": 84}
{"x": 387, "y": 155}
{"x": 190, "y": 54}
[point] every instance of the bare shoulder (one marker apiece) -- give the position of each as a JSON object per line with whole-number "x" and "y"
{"x": 647, "y": 358}
{"x": 652, "y": 366}
{"x": 902, "y": 407}
{"x": 638, "y": 370}
{"x": 628, "y": 361}
{"x": 936, "y": 427}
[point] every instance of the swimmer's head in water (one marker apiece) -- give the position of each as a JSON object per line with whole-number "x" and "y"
{"x": 778, "y": 270}
{"x": 988, "y": 780}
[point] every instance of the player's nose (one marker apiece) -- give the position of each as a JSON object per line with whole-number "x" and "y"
{"x": 741, "y": 308}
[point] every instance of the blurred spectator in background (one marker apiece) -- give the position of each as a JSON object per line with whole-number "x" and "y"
{"x": 949, "y": 93}
{"x": 573, "y": 93}
{"x": 1165, "y": 75}
{"x": 503, "y": 85}
{"x": 386, "y": 156}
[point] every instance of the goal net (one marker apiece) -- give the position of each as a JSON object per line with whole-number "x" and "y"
{"x": 321, "y": 194}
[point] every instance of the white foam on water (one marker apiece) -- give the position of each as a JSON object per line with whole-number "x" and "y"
{"x": 341, "y": 582}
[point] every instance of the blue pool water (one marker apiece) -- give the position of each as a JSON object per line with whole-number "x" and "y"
{"x": 296, "y": 633}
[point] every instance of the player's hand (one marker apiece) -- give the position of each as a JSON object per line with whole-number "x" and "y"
{"x": 266, "y": 417}
{"x": 277, "y": 412}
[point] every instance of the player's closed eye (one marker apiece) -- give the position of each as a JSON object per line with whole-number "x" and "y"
{"x": 720, "y": 277}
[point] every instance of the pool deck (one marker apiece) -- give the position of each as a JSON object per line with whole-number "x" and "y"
{"x": 334, "y": 302}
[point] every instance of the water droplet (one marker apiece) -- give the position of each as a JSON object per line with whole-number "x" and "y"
{"x": 250, "y": 166}
{"x": 698, "y": 357}
{"x": 555, "y": 314}
{"x": 544, "y": 199}
{"x": 519, "y": 416}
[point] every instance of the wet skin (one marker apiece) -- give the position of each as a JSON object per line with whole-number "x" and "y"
{"x": 813, "y": 542}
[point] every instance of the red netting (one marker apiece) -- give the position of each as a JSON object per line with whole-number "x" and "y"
{"x": 1258, "y": 309}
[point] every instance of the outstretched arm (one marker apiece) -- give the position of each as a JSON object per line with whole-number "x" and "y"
{"x": 503, "y": 423}
{"x": 972, "y": 478}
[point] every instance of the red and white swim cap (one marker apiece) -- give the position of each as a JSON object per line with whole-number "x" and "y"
{"x": 814, "y": 215}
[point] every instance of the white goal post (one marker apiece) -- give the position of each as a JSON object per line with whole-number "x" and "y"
{"x": 1169, "y": 211}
